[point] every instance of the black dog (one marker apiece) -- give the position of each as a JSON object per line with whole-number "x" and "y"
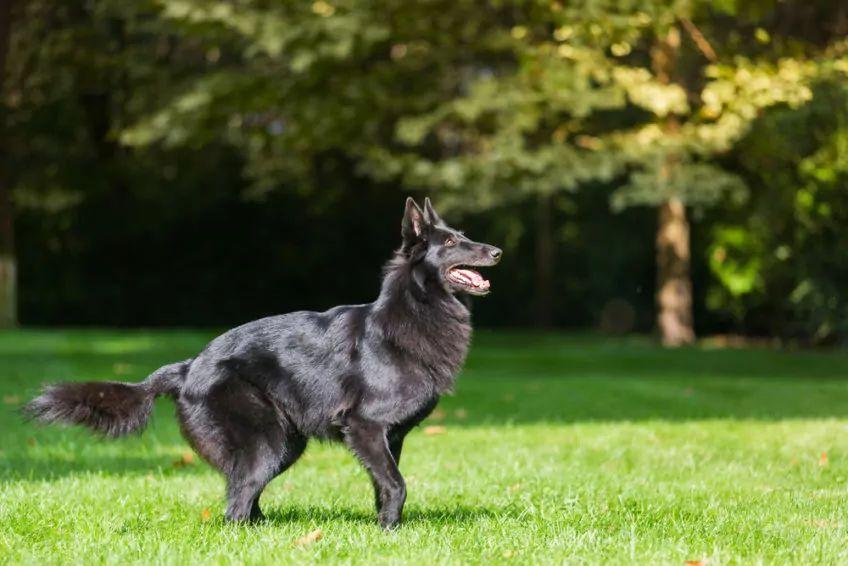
{"x": 363, "y": 374}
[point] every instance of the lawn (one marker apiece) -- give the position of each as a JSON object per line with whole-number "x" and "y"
{"x": 554, "y": 449}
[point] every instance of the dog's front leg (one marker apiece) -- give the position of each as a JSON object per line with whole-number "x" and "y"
{"x": 368, "y": 441}
{"x": 396, "y": 446}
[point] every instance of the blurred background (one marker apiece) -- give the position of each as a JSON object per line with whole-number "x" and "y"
{"x": 668, "y": 167}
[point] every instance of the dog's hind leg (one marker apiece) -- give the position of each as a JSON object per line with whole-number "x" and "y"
{"x": 295, "y": 445}
{"x": 252, "y": 471}
{"x": 237, "y": 429}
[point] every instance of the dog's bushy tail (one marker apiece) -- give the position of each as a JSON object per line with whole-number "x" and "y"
{"x": 110, "y": 408}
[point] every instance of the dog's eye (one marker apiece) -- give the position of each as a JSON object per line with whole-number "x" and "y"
{"x": 450, "y": 242}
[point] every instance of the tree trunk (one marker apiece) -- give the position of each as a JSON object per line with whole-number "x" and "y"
{"x": 674, "y": 283}
{"x": 545, "y": 254}
{"x": 8, "y": 264}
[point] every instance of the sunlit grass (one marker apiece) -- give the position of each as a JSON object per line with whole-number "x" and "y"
{"x": 555, "y": 449}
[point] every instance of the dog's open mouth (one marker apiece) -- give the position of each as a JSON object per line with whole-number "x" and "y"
{"x": 468, "y": 279}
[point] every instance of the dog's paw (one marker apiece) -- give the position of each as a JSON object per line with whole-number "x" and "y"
{"x": 389, "y": 522}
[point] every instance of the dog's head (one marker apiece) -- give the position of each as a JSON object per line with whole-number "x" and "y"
{"x": 443, "y": 254}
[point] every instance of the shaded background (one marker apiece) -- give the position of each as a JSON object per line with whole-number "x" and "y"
{"x": 202, "y": 162}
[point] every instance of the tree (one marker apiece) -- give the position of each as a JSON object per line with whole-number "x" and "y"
{"x": 70, "y": 73}
{"x": 591, "y": 92}
{"x": 488, "y": 106}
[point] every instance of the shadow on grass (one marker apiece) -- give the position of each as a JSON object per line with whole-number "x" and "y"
{"x": 411, "y": 516}
{"x": 28, "y": 467}
{"x": 552, "y": 378}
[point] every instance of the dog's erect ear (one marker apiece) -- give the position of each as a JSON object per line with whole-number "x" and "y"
{"x": 430, "y": 214}
{"x": 413, "y": 225}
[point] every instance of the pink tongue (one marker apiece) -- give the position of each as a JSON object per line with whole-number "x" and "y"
{"x": 472, "y": 276}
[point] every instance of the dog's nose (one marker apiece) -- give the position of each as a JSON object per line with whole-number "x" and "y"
{"x": 495, "y": 253}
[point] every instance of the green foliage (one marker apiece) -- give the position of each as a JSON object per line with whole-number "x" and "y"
{"x": 695, "y": 183}
{"x": 113, "y": 108}
{"x": 735, "y": 258}
{"x": 581, "y": 103}
{"x": 284, "y": 84}
{"x": 785, "y": 251}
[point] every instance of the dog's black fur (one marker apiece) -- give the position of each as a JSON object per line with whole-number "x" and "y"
{"x": 362, "y": 374}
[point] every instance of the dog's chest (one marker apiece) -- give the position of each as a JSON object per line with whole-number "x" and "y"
{"x": 413, "y": 373}
{"x": 440, "y": 355}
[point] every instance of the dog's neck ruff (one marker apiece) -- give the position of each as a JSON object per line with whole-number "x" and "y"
{"x": 424, "y": 320}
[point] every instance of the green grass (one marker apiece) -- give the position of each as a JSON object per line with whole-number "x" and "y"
{"x": 556, "y": 449}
